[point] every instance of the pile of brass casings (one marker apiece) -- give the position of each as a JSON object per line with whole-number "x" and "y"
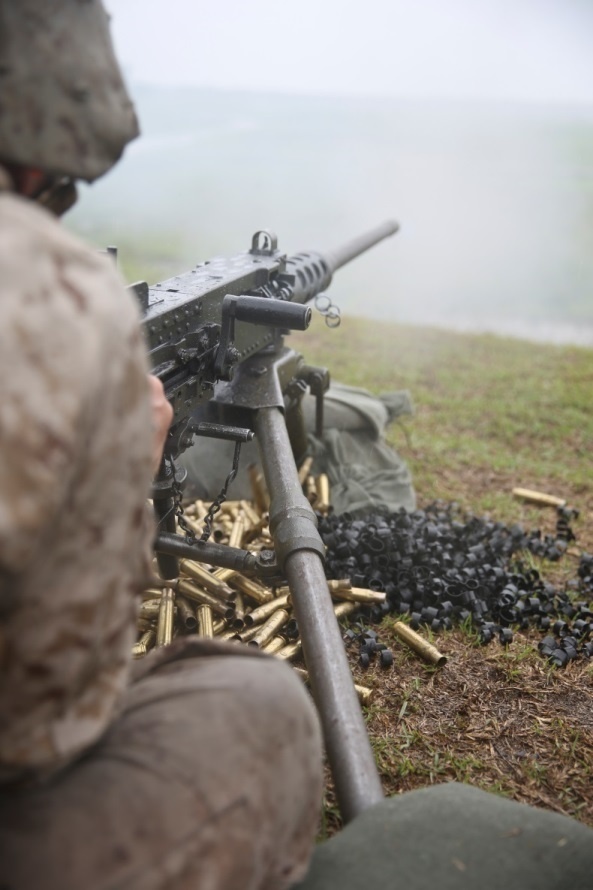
{"x": 225, "y": 605}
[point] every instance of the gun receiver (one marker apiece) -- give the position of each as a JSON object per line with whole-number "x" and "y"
{"x": 215, "y": 334}
{"x": 201, "y": 324}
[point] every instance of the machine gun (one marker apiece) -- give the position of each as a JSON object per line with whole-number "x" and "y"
{"x": 215, "y": 336}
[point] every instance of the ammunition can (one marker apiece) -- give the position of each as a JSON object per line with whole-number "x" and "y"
{"x": 419, "y": 645}
{"x": 164, "y": 631}
{"x": 270, "y": 628}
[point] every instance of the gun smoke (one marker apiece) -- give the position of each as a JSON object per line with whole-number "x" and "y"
{"x": 495, "y": 200}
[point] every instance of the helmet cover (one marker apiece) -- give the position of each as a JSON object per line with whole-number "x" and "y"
{"x": 63, "y": 104}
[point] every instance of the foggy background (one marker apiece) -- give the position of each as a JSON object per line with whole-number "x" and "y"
{"x": 469, "y": 121}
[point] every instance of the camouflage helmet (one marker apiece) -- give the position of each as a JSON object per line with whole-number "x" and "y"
{"x": 63, "y": 104}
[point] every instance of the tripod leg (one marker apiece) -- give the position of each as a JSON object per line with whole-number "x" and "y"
{"x": 300, "y": 551}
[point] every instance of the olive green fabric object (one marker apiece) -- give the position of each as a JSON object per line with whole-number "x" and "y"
{"x": 365, "y": 473}
{"x": 455, "y": 837}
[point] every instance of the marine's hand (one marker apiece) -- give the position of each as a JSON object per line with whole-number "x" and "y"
{"x": 162, "y": 415}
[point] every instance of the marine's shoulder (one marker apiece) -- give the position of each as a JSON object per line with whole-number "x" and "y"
{"x": 33, "y": 224}
{"x": 38, "y": 255}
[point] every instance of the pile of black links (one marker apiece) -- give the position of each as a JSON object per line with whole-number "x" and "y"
{"x": 443, "y": 567}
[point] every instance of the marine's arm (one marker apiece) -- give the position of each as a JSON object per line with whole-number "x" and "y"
{"x": 76, "y": 440}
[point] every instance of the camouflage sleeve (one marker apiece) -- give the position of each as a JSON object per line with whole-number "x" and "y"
{"x": 75, "y": 445}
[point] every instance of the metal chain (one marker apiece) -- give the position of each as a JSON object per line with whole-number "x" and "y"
{"x": 215, "y": 506}
{"x": 219, "y": 501}
{"x": 190, "y": 535}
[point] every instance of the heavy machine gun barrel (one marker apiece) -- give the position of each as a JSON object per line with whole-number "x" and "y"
{"x": 335, "y": 259}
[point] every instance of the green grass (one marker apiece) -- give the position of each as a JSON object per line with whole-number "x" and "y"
{"x": 489, "y": 409}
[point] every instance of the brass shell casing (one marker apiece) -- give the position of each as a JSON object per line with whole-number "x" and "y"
{"x": 419, "y": 645}
{"x": 185, "y": 613}
{"x": 310, "y": 488}
{"x": 345, "y": 608}
{"x": 291, "y": 651}
{"x": 258, "y": 487}
{"x": 205, "y": 622}
{"x": 150, "y": 608}
{"x": 206, "y": 579}
{"x": 275, "y": 645}
{"x": 239, "y": 611}
{"x": 305, "y": 469}
{"x": 152, "y": 593}
{"x": 144, "y": 624}
{"x": 164, "y": 631}
{"x": 538, "y": 497}
{"x": 365, "y": 695}
{"x": 199, "y": 595}
{"x": 146, "y": 642}
{"x": 248, "y": 633}
{"x": 322, "y": 493}
{"x": 237, "y": 531}
{"x": 336, "y": 586}
{"x": 223, "y": 574}
{"x": 227, "y": 635}
{"x": 252, "y": 516}
{"x": 262, "y": 612}
{"x": 270, "y": 628}
{"x": 251, "y": 589}
{"x": 360, "y": 595}
{"x": 194, "y": 523}
{"x": 340, "y": 584}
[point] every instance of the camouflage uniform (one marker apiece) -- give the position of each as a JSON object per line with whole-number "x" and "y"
{"x": 75, "y": 455}
{"x": 206, "y": 772}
